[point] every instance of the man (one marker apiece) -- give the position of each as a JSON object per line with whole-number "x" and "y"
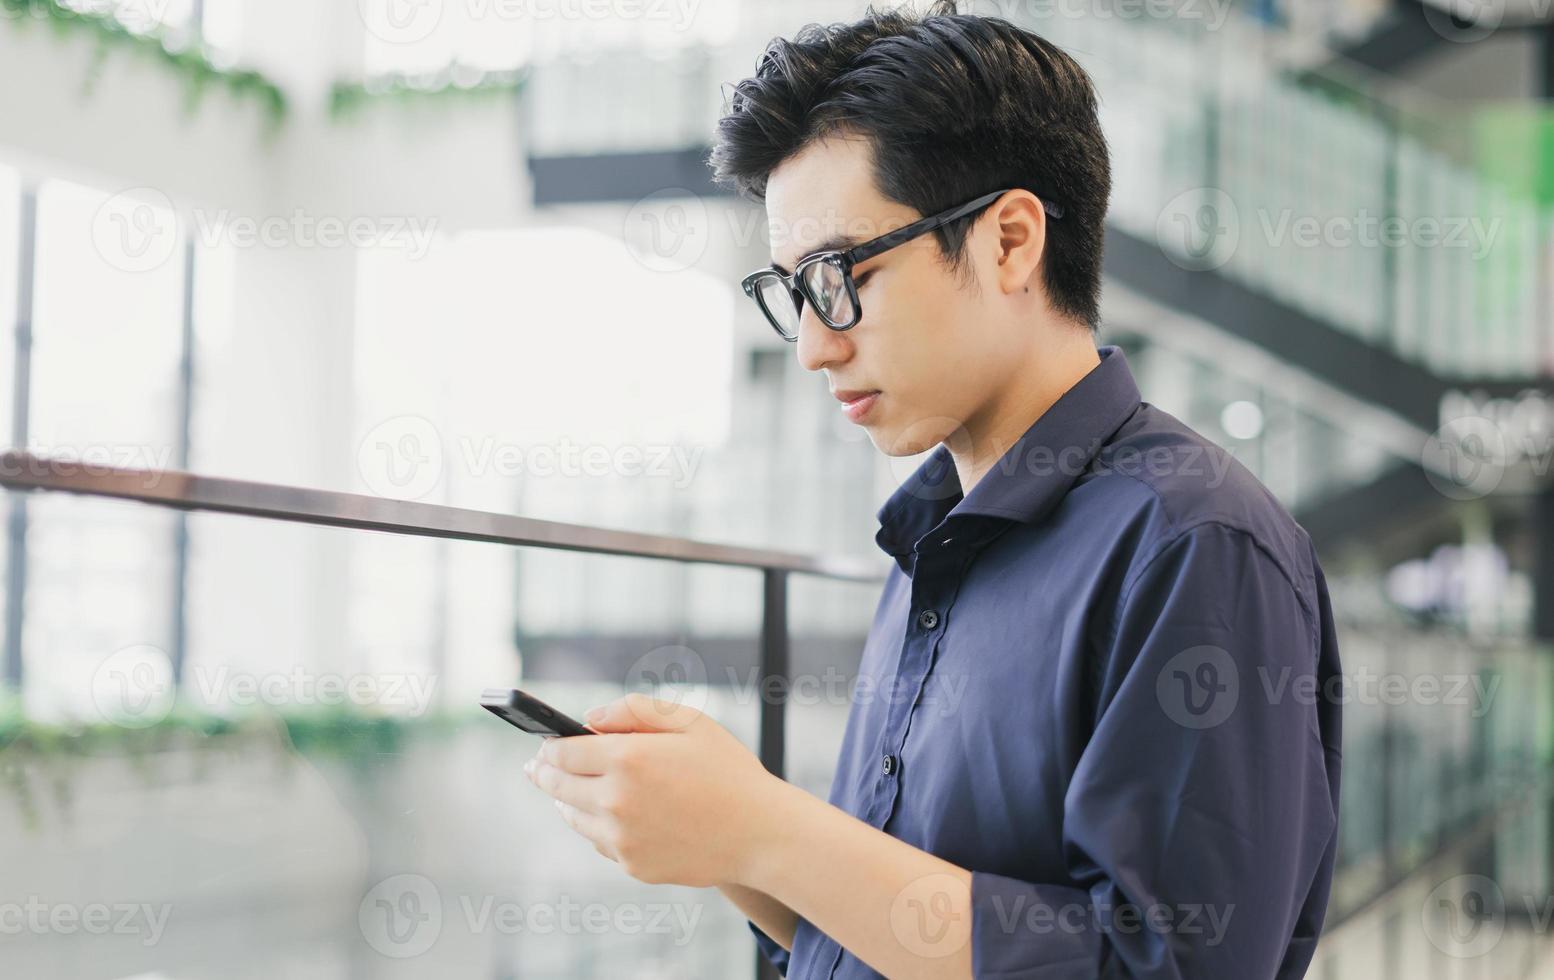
{"x": 1086, "y": 738}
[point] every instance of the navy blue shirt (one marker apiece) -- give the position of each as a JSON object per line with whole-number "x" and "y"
{"x": 1096, "y": 682}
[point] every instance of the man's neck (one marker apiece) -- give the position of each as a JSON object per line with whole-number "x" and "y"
{"x": 1010, "y": 413}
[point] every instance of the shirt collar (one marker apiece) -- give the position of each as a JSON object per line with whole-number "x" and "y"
{"x": 1030, "y": 478}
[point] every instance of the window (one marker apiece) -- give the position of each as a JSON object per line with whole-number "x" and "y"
{"x": 105, "y": 373}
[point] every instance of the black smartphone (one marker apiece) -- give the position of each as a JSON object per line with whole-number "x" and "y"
{"x": 529, "y": 713}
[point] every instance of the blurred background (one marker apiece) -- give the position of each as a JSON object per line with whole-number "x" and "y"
{"x": 466, "y": 253}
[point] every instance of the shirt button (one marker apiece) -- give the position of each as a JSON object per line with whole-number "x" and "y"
{"x": 888, "y": 765}
{"x": 928, "y": 619}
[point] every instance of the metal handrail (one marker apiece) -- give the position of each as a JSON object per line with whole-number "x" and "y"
{"x": 21, "y": 470}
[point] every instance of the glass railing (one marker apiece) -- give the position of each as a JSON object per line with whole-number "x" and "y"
{"x": 281, "y": 801}
{"x": 1445, "y": 807}
{"x": 1325, "y": 205}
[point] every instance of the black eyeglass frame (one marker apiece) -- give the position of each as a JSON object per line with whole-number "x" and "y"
{"x": 845, "y": 259}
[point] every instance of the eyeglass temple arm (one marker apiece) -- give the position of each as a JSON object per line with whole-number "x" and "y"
{"x": 889, "y": 241}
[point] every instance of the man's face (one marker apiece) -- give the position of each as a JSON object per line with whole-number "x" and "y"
{"x": 935, "y": 348}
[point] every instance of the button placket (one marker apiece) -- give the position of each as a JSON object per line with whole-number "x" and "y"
{"x": 932, "y": 591}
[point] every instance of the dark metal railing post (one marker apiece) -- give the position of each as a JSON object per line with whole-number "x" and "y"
{"x": 774, "y": 668}
{"x": 774, "y": 693}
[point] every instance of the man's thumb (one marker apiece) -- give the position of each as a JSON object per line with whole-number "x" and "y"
{"x": 640, "y": 713}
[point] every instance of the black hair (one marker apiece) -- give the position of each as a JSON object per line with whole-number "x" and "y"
{"x": 954, "y": 106}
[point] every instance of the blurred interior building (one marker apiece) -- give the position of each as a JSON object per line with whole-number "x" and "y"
{"x": 467, "y": 254}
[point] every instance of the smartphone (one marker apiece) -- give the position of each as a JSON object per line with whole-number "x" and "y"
{"x": 529, "y": 713}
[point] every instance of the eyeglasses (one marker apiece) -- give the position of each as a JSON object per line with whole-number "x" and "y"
{"x": 825, "y": 278}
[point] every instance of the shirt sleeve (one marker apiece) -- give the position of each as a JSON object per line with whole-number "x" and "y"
{"x": 1200, "y": 821}
{"x": 770, "y": 948}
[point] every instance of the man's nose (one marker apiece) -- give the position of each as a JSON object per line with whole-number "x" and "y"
{"x": 818, "y": 344}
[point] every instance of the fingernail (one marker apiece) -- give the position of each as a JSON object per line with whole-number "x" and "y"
{"x": 593, "y": 715}
{"x": 528, "y": 767}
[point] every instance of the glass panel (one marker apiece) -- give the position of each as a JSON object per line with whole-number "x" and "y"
{"x": 10, "y": 258}
{"x": 325, "y": 799}
{"x": 828, "y": 622}
{"x": 108, "y": 336}
{"x": 10, "y": 268}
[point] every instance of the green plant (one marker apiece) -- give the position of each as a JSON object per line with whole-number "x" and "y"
{"x": 185, "y": 57}
{"x": 456, "y": 81}
{"x": 36, "y": 754}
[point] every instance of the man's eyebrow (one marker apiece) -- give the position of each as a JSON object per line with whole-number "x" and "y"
{"x": 834, "y": 243}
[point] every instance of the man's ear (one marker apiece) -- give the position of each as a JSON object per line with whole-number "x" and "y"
{"x": 1021, "y": 224}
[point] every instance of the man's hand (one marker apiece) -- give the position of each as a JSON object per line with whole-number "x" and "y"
{"x": 676, "y": 799}
{"x": 663, "y": 789}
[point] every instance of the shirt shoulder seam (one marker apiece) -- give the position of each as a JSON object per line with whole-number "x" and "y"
{"x": 1181, "y": 532}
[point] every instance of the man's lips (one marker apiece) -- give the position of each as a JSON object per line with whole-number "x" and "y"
{"x": 856, "y": 402}
{"x": 845, "y": 395}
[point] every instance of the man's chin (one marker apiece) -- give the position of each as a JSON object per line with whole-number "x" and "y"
{"x": 898, "y": 445}
{"x": 914, "y": 439}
